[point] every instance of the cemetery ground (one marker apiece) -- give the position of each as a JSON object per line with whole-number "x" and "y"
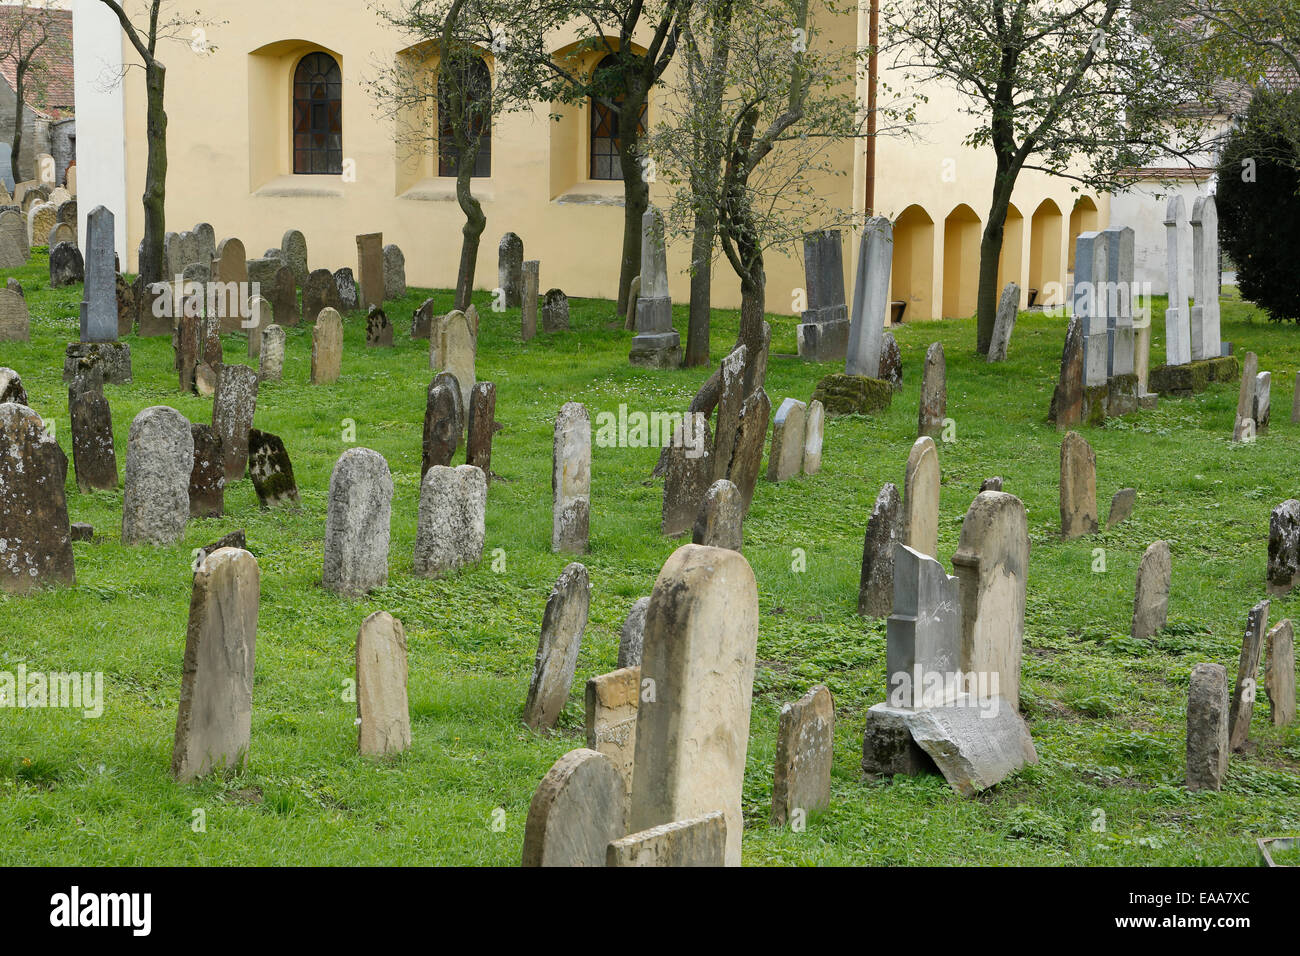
{"x": 1107, "y": 713}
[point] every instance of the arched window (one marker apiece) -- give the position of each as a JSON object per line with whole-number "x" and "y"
{"x": 474, "y": 83}
{"x": 604, "y": 130}
{"x": 318, "y": 115}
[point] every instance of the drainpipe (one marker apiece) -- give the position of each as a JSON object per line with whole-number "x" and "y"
{"x": 873, "y": 38}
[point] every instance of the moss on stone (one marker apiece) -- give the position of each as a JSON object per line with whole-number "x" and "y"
{"x": 842, "y": 394}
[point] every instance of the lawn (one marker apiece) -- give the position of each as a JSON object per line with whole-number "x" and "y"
{"x": 1106, "y": 713}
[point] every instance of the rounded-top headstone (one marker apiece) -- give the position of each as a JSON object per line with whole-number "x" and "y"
{"x": 577, "y": 810}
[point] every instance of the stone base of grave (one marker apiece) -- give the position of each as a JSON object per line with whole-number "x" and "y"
{"x": 888, "y": 747}
{"x": 1147, "y": 401}
{"x": 824, "y": 341}
{"x": 1119, "y": 396}
{"x": 842, "y": 394}
{"x": 113, "y": 357}
{"x": 1182, "y": 381}
{"x": 656, "y": 350}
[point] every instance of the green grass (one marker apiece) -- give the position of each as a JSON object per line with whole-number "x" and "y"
{"x": 1107, "y": 715}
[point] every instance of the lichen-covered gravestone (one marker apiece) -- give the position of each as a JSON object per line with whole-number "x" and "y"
{"x": 159, "y": 460}
{"x": 293, "y": 253}
{"x": 327, "y": 348}
{"x": 35, "y": 537}
{"x": 379, "y": 331}
{"x": 751, "y": 436}
{"x": 571, "y": 480}
{"x": 1151, "y": 594}
{"x": 394, "y": 272}
{"x": 1279, "y": 674}
{"x": 15, "y": 321}
{"x": 1283, "y": 548}
{"x": 1004, "y": 322}
{"x": 1207, "y": 727}
{"x": 563, "y": 624}
{"x": 482, "y": 425}
{"x": 270, "y": 359}
{"x": 450, "y": 529}
{"x": 632, "y": 635}
{"x": 357, "y": 523}
{"x": 214, "y": 719}
{"x": 555, "y": 311}
{"x": 93, "y": 455}
{"x": 270, "y": 469}
{"x": 687, "y": 476}
{"x": 345, "y": 284}
{"x": 884, "y": 530}
{"x": 510, "y": 267}
{"x": 612, "y": 700}
{"x": 1078, "y": 487}
{"x": 1121, "y": 506}
{"x": 208, "y": 475}
{"x": 441, "y": 425}
{"x": 1246, "y": 688}
{"x": 934, "y": 392}
{"x": 721, "y": 520}
{"x": 576, "y": 811}
{"x": 383, "y": 713}
{"x": 233, "y": 408}
{"x": 804, "y": 754}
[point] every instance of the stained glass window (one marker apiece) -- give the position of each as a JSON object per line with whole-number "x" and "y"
{"x": 476, "y": 85}
{"x": 318, "y": 116}
{"x": 604, "y": 131}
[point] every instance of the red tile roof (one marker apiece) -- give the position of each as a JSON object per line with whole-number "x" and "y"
{"x": 52, "y": 95}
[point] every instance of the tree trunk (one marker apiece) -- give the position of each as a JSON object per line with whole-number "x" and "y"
{"x": 471, "y": 232}
{"x": 155, "y": 181}
{"x": 636, "y": 191}
{"x": 15, "y": 149}
{"x": 753, "y": 301}
{"x": 990, "y": 258}
{"x": 697, "y": 336}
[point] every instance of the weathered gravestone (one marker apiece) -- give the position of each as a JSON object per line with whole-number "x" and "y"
{"x": 1151, "y": 593}
{"x": 422, "y": 320}
{"x": 721, "y": 519}
{"x": 13, "y": 241}
{"x": 1261, "y": 403}
{"x": 1246, "y": 686}
{"x": 1067, "y": 399}
{"x": 357, "y": 523}
{"x": 884, "y": 530}
{"x": 571, "y": 480}
{"x": 231, "y": 266}
{"x": 441, "y": 425}
{"x": 450, "y": 529}
{"x": 687, "y": 475}
{"x": 187, "y": 343}
{"x": 891, "y": 362}
{"x": 379, "y": 331}
{"x": 35, "y": 538}
{"x": 656, "y": 344}
{"x": 1004, "y": 323}
{"x": 207, "y": 487}
{"x": 259, "y": 317}
{"x": 214, "y": 719}
{"x": 785, "y": 460}
{"x": 482, "y": 426}
{"x": 159, "y": 460}
{"x": 631, "y": 637}
{"x": 60, "y": 232}
{"x": 731, "y": 398}
{"x": 293, "y": 253}
{"x": 93, "y": 455}
{"x": 327, "y": 348}
{"x": 510, "y": 266}
{"x": 1078, "y": 487}
{"x": 128, "y": 303}
{"x": 814, "y": 435}
{"x": 233, "y": 408}
{"x": 284, "y": 298}
{"x": 555, "y": 311}
{"x": 318, "y": 294}
{"x": 921, "y": 498}
{"x": 934, "y": 393}
{"x": 11, "y": 387}
{"x": 1203, "y": 318}
{"x": 270, "y": 360}
{"x": 394, "y": 272}
{"x": 563, "y": 624}
{"x": 345, "y": 284}
{"x": 457, "y": 349}
{"x": 383, "y": 713}
{"x": 1121, "y": 506}
{"x": 823, "y": 334}
{"x": 698, "y": 842}
{"x": 531, "y": 273}
{"x": 577, "y": 811}
{"x": 1178, "y": 338}
{"x": 612, "y": 700}
{"x": 1207, "y": 727}
{"x": 15, "y": 321}
{"x": 1243, "y": 428}
{"x": 974, "y": 746}
{"x": 113, "y": 357}
{"x": 751, "y": 436}
{"x": 270, "y": 469}
{"x": 923, "y": 633}
{"x": 370, "y": 268}
{"x": 66, "y": 266}
{"x": 870, "y": 297}
{"x": 805, "y": 742}
{"x": 40, "y": 222}
{"x": 1279, "y": 674}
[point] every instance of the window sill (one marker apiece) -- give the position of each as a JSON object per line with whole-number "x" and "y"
{"x": 593, "y": 192}
{"x": 443, "y": 189}
{"x": 313, "y": 187}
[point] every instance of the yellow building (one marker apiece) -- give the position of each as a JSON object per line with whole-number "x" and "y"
{"x": 233, "y": 163}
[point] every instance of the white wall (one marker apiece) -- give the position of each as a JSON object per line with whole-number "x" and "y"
{"x": 1138, "y": 207}
{"x": 101, "y": 129}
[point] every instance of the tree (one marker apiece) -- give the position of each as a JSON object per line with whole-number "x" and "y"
{"x": 1258, "y": 202}
{"x": 27, "y": 42}
{"x": 1079, "y": 89}
{"x": 145, "y": 41}
{"x": 451, "y": 107}
{"x": 517, "y": 32}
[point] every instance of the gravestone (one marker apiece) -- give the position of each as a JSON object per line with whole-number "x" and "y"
{"x": 571, "y": 480}
{"x": 1067, "y": 399}
{"x": 974, "y": 747}
{"x": 701, "y": 636}
{"x": 293, "y": 253}
{"x": 721, "y": 521}
{"x": 731, "y": 398}
{"x": 270, "y": 359}
{"x": 93, "y": 456}
{"x": 1004, "y": 323}
{"x": 284, "y": 298}
{"x": 1118, "y": 300}
{"x": 1121, "y": 506}
{"x": 15, "y": 321}
{"x": 788, "y": 433}
{"x": 187, "y": 342}
{"x": 40, "y": 222}
{"x": 923, "y": 632}
{"x": 1283, "y": 571}
{"x": 233, "y": 408}
{"x": 563, "y": 624}
{"x": 992, "y": 565}
{"x": 449, "y": 380}
{"x": 870, "y": 297}
{"x": 422, "y": 320}
{"x": 751, "y": 436}
{"x": 35, "y": 537}
{"x": 482, "y": 425}
{"x": 656, "y": 344}
{"x": 357, "y": 523}
{"x": 66, "y": 266}
{"x": 1078, "y": 487}
{"x": 531, "y": 276}
{"x": 207, "y": 482}
{"x": 128, "y": 303}
{"x": 1178, "y": 338}
{"x": 884, "y": 531}
{"x": 1204, "y": 315}
{"x": 1151, "y": 594}
{"x": 921, "y": 498}
{"x": 823, "y": 335}
{"x": 232, "y": 263}
{"x": 262, "y": 272}
{"x": 154, "y": 307}
{"x": 13, "y": 240}
{"x": 1244, "y": 427}
{"x": 159, "y": 459}
{"x": 578, "y": 809}
{"x": 319, "y": 293}
{"x": 11, "y": 387}
{"x": 510, "y": 267}
{"x": 458, "y": 348}
{"x": 1090, "y": 261}
{"x": 891, "y": 362}
{"x": 699, "y": 841}
{"x": 214, "y": 719}
{"x": 633, "y": 294}
{"x": 1246, "y": 687}
{"x": 1279, "y": 674}
{"x": 113, "y": 357}
{"x": 1207, "y": 727}
{"x": 383, "y": 713}
{"x": 259, "y": 317}
{"x": 441, "y": 426}
{"x": 271, "y": 470}
{"x": 814, "y": 434}
{"x": 1261, "y": 404}
{"x": 805, "y": 741}
{"x": 934, "y": 393}
{"x": 688, "y": 473}
{"x": 394, "y": 272}
{"x": 345, "y": 284}
{"x": 631, "y": 637}
{"x": 60, "y": 232}
{"x": 555, "y": 311}
{"x": 450, "y": 530}
{"x": 612, "y": 701}
{"x": 327, "y": 348}
{"x": 379, "y": 331}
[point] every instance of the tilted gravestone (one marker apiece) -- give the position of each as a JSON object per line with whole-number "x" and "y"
{"x": 731, "y": 398}
{"x": 357, "y": 523}
{"x": 805, "y": 743}
{"x": 576, "y": 811}
{"x": 751, "y": 436}
{"x": 159, "y": 460}
{"x": 450, "y": 529}
{"x": 563, "y": 624}
{"x": 383, "y": 713}
{"x": 934, "y": 393}
{"x": 1246, "y": 687}
{"x": 571, "y": 480}
{"x": 35, "y": 536}
{"x": 870, "y": 298}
